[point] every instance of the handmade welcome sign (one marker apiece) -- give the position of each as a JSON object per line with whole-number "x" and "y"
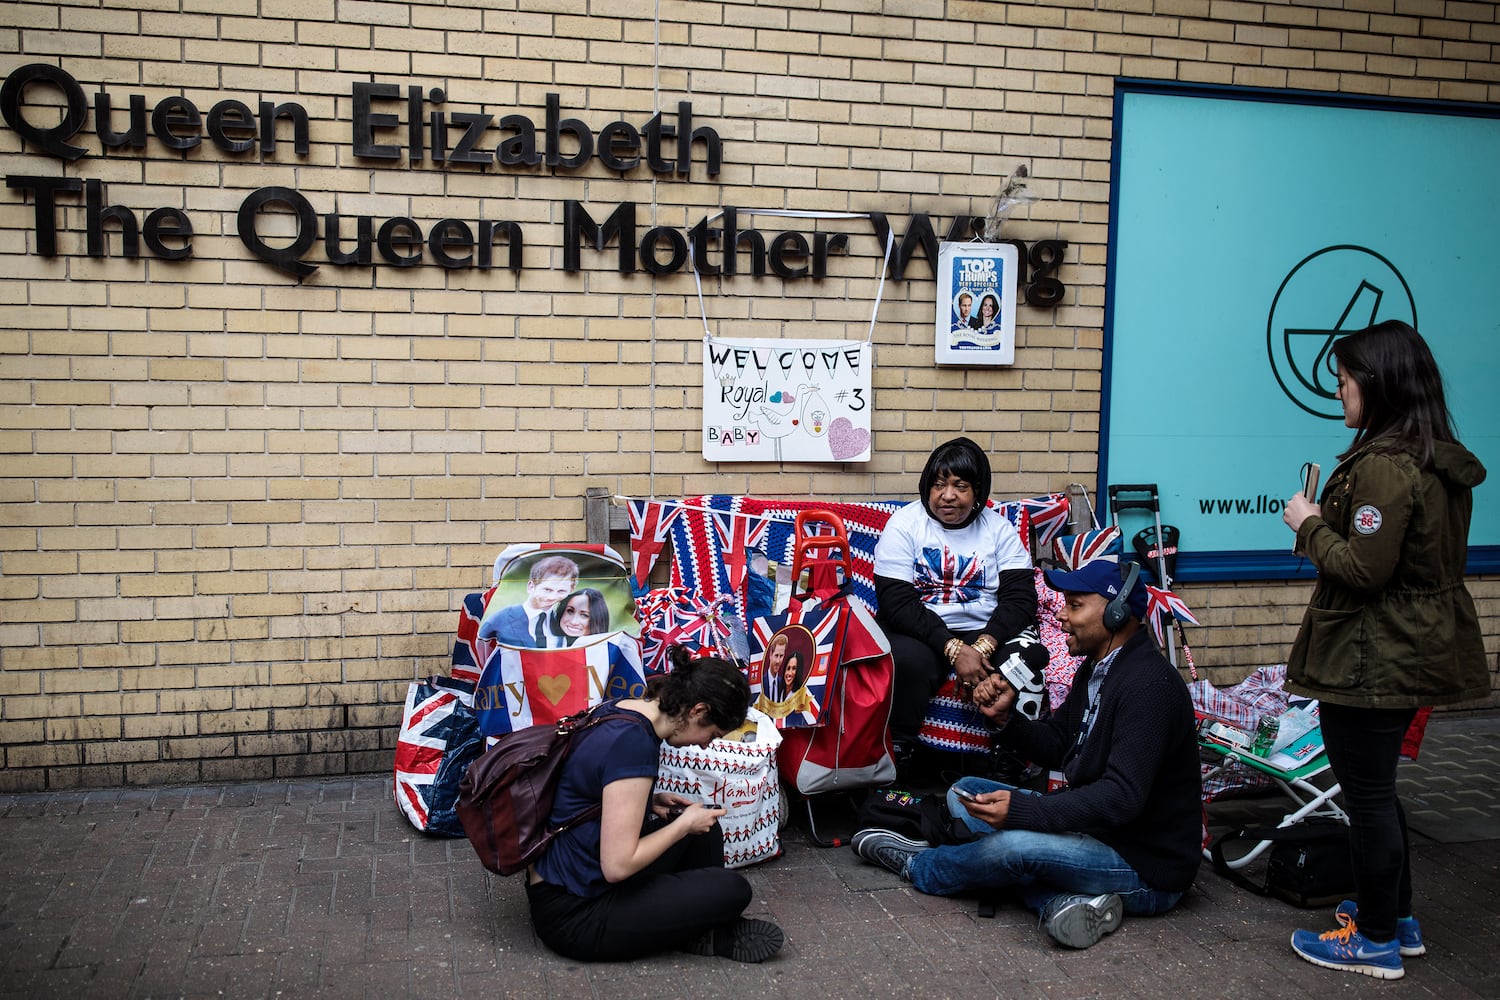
{"x": 786, "y": 400}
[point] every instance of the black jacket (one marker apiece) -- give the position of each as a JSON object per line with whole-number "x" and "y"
{"x": 1134, "y": 784}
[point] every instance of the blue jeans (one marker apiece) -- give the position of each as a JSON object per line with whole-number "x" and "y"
{"x": 1040, "y": 865}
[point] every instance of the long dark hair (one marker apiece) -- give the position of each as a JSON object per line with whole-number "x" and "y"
{"x": 1402, "y": 404}
{"x": 792, "y": 658}
{"x": 598, "y": 612}
{"x": 706, "y": 679}
{"x": 964, "y": 459}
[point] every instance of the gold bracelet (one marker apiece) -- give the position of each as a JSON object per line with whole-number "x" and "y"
{"x": 951, "y": 649}
{"x": 985, "y": 646}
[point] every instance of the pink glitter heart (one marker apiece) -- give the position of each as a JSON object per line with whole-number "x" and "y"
{"x": 847, "y": 441}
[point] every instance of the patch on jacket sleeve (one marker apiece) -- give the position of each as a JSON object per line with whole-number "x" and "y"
{"x": 1367, "y": 520}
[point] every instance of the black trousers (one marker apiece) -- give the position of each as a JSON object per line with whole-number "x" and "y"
{"x": 1364, "y": 745}
{"x": 670, "y": 903}
{"x": 920, "y": 671}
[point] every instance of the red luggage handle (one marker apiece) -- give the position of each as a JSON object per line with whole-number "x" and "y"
{"x": 821, "y": 552}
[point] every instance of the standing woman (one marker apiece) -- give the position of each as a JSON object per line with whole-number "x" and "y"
{"x": 954, "y": 584}
{"x": 1390, "y": 626}
{"x": 648, "y": 875}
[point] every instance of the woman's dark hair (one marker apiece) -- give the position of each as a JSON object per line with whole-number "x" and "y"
{"x": 708, "y": 679}
{"x": 793, "y": 660}
{"x": 964, "y": 459}
{"x": 1402, "y": 404}
{"x": 598, "y": 611}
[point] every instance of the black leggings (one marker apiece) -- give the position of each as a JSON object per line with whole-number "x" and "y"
{"x": 667, "y": 905}
{"x": 1364, "y": 745}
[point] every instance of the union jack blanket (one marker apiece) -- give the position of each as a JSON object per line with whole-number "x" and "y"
{"x": 711, "y": 533}
{"x": 529, "y": 687}
{"x": 469, "y": 651}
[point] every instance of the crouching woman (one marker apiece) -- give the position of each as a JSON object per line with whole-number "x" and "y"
{"x": 648, "y": 874}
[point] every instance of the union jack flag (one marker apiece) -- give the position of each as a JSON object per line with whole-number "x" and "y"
{"x": 1072, "y": 551}
{"x": 470, "y": 651}
{"x": 823, "y": 622}
{"x": 439, "y": 738}
{"x": 699, "y": 559}
{"x": 1047, "y": 515}
{"x": 1161, "y": 605}
{"x": 945, "y": 577}
{"x": 529, "y": 687}
{"x": 650, "y": 521}
{"x": 677, "y": 616}
{"x": 736, "y": 534}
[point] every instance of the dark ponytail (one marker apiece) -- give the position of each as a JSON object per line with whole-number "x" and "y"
{"x": 706, "y": 679}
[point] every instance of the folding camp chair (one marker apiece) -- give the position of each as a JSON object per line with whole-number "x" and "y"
{"x": 1308, "y": 798}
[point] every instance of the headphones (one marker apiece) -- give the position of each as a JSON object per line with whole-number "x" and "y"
{"x": 1117, "y": 611}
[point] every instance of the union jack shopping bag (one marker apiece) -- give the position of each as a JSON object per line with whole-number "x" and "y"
{"x": 439, "y": 738}
{"x": 793, "y": 657}
{"x": 852, "y": 748}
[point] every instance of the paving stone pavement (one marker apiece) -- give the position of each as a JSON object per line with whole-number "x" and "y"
{"x": 320, "y": 888}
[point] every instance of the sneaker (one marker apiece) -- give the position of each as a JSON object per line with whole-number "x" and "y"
{"x": 745, "y": 940}
{"x": 1078, "y": 921}
{"x": 1347, "y": 950}
{"x": 888, "y": 849}
{"x": 1408, "y": 930}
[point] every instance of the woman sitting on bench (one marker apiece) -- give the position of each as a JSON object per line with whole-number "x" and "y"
{"x": 954, "y": 583}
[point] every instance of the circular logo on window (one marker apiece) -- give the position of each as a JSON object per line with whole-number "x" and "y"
{"x": 1337, "y": 290}
{"x": 1367, "y": 520}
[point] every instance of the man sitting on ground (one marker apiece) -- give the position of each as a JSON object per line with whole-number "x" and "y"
{"x": 1124, "y": 834}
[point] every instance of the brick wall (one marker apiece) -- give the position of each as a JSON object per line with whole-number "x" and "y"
{"x": 239, "y": 512}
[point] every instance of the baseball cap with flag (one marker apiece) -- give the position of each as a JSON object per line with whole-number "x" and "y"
{"x": 1101, "y": 576}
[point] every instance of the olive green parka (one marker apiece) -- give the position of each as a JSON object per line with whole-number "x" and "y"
{"x": 1390, "y": 623}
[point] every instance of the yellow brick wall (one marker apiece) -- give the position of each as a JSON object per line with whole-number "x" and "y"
{"x": 238, "y": 513}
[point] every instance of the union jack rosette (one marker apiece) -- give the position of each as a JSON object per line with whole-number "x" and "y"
{"x": 706, "y": 626}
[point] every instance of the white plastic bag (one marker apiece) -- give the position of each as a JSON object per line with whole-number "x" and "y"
{"x": 739, "y": 773}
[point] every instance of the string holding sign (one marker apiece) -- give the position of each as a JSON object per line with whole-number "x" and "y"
{"x": 788, "y": 399}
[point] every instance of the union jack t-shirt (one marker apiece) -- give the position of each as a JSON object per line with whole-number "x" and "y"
{"x": 956, "y": 571}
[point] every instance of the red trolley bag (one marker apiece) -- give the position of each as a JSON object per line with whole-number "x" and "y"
{"x": 850, "y": 746}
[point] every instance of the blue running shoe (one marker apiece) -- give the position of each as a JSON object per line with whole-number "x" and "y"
{"x": 1347, "y": 950}
{"x": 1408, "y": 930}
